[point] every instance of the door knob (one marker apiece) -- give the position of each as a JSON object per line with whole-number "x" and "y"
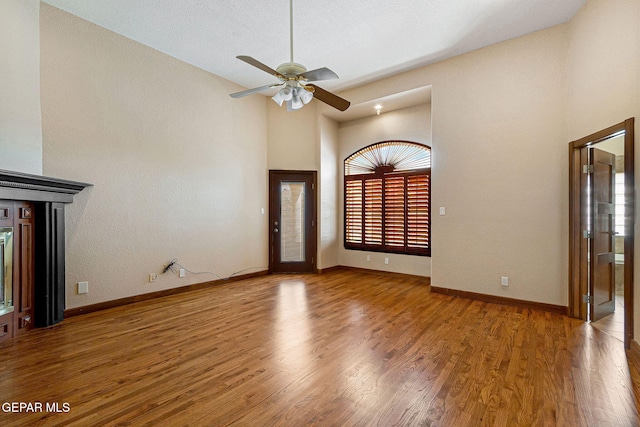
{"x": 275, "y": 230}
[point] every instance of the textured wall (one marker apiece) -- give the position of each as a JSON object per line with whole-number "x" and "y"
{"x": 411, "y": 124}
{"x": 329, "y": 240}
{"x": 499, "y": 130}
{"x": 294, "y": 137}
{"x": 500, "y": 165}
{"x": 179, "y": 171}
{"x": 20, "y": 124}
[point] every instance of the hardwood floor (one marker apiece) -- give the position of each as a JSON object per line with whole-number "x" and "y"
{"x": 342, "y": 348}
{"x": 613, "y": 324}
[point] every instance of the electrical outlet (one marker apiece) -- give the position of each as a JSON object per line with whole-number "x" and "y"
{"x": 83, "y": 287}
{"x": 182, "y": 273}
{"x": 505, "y": 281}
{"x": 152, "y": 277}
{"x": 368, "y": 258}
{"x": 386, "y": 260}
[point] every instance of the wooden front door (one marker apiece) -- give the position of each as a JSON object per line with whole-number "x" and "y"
{"x": 292, "y": 221}
{"x": 602, "y": 249}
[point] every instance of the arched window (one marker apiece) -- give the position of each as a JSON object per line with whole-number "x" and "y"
{"x": 387, "y": 202}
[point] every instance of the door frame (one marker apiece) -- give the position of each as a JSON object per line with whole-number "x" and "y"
{"x": 311, "y": 232}
{"x": 577, "y": 269}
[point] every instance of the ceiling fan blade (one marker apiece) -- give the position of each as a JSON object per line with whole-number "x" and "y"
{"x": 254, "y": 90}
{"x": 251, "y": 61}
{"x": 319, "y": 74}
{"x": 329, "y": 98}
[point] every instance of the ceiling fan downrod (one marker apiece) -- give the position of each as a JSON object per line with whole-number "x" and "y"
{"x": 291, "y": 29}
{"x": 290, "y": 70}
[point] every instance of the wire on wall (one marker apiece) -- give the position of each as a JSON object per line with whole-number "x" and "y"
{"x": 174, "y": 266}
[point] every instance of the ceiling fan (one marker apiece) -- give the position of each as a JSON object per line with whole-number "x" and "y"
{"x": 293, "y": 78}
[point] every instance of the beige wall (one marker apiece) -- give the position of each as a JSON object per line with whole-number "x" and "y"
{"x": 178, "y": 170}
{"x": 604, "y": 53}
{"x": 410, "y": 124}
{"x": 499, "y": 129}
{"x": 499, "y": 147}
{"x": 293, "y": 137}
{"x": 329, "y": 240}
{"x": 604, "y": 77}
{"x": 20, "y": 124}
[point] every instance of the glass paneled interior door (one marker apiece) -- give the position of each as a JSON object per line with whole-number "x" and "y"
{"x": 292, "y": 221}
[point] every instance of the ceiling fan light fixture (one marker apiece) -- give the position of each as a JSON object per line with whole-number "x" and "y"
{"x": 278, "y": 98}
{"x": 296, "y": 103}
{"x": 305, "y": 95}
{"x": 286, "y": 93}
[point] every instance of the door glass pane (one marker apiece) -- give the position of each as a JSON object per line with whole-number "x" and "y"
{"x": 6, "y": 270}
{"x": 292, "y": 217}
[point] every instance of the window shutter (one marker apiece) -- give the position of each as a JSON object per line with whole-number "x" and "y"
{"x": 353, "y": 211}
{"x": 418, "y": 187}
{"x": 394, "y": 211}
{"x": 387, "y": 198}
{"x": 373, "y": 212}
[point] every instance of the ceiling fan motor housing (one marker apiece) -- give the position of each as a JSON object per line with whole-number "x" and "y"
{"x": 290, "y": 69}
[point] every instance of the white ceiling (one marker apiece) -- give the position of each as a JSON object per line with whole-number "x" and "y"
{"x": 360, "y": 40}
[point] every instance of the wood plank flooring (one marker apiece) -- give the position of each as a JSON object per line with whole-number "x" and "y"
{"x": 338, "y": 349}
{"x": 613, "y": 324}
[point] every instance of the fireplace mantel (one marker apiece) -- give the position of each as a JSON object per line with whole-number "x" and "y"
{"x": 37, "y": 188}
{"x": 47, "y": 197}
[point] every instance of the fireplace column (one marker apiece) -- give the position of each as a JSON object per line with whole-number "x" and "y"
{"x": 50, "y": 280}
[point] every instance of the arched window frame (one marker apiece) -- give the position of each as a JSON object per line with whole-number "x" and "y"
{"x": 387, "y": 198}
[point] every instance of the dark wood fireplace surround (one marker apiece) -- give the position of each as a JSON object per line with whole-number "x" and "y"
{"x": 34, "y": 206}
